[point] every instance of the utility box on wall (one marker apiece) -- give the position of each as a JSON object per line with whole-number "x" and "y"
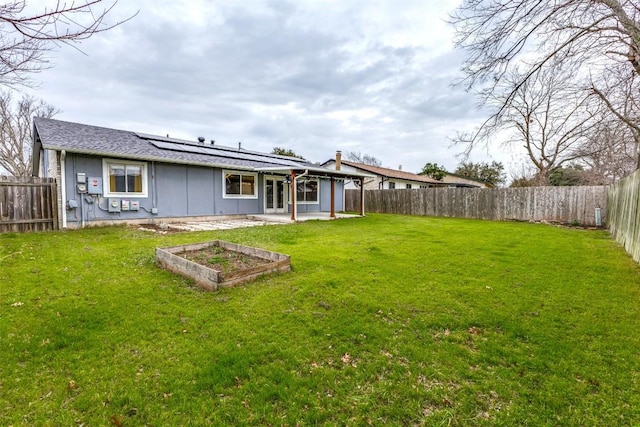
{"x": 114, "y": 204}
{"x": 94, "y": 185}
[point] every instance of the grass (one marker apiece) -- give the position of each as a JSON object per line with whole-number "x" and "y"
{"x": 386, "y": 320}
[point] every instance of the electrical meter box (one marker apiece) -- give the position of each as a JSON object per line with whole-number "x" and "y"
{"x": 135, "y": 205}
{"x": 124, "y": 205}
{"x": 94, "y": 185}
{"x": 114, "y": 205}
{"x": 81, "y": 182}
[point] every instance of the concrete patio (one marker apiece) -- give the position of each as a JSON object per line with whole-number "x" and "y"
{"x": 228, "y": 223}
{"x": 302, "y": 216}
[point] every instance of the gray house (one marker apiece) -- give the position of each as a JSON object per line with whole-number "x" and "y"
{"x": 108, "y": 176}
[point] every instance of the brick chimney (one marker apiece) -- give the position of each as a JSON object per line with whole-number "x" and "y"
{"x": 338, "y": 160}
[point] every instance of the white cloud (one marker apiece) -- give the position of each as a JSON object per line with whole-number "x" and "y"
{"x": 315, "y": 76}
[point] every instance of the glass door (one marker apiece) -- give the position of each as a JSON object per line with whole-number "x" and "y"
{"x": 274, "y": 195}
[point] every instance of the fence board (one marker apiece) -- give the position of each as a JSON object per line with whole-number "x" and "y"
{"x": 554, "y": 204}
{"x": 624, "y": 207}
{"x": 28, "y": 204}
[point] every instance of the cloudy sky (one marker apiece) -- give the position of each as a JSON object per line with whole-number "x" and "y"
{"x": 314, "y": 76}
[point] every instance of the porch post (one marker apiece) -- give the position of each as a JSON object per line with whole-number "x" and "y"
{"x": 333, "y": 198}
{"x": 362, "y": 197}
{"x": 293, "y": 195}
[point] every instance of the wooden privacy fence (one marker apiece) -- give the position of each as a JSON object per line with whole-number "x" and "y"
{"x": 554, "y": 204}
{"x": 28, "y": 204}
{"x": 624, "y": 213}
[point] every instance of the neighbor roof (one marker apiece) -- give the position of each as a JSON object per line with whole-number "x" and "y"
{"x": 390, "y": 173}
{"x": 100, "y": 141}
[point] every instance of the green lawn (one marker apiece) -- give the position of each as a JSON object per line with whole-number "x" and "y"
{"x": 385, "y": 320}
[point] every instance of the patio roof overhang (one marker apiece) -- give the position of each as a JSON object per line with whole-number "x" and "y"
{"x": 303, "y": 170}
{"x": 317, "y": 172}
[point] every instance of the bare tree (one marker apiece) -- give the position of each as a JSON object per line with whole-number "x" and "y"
{"x": 589, "y": 35}
{"x": 364, "y": 159}
{"x": 15, "y": 131}
{"x": 619, "y": 94}
{"x": 612, "y": 152}
{"x": 25, "y": 39}
{"x": 545, "y": 115}
{"x": 522, "y": 175}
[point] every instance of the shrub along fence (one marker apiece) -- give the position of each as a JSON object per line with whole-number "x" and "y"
{"x": 624, "y": 213}
{"x": 28, "y": 204}
{"x": 554, "y": 204}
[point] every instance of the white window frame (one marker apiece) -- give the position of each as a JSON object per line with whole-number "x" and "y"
{"x": 304, "y": 202}
{"x": 239, "y": 196}
{"x": 107, "y": 182}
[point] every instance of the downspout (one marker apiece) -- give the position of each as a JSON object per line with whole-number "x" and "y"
{"x": 295, "y": 192}
{"x": 362, "y": 197}
{"x": 154, "y": 188}
{"x": 63, "y": 185}
{"x": 81, "y": 198}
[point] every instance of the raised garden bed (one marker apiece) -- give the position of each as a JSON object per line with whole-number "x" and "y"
{"x": 220, "y": 264}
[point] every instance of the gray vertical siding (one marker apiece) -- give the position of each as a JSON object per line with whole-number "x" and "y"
{"x": 172, "y": 191}
{"x": 201, "y": 191}
{"x": 178, "y": 190}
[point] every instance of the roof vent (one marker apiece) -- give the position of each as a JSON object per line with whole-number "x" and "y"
{"x": 201, "y": 139}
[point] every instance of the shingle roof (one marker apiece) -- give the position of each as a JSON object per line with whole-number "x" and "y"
{"x": 101, "y": 141}
{"x": 392, "y": 173}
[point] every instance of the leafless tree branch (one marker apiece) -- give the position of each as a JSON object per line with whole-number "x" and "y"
{"x": 15, "y": 131}
{"x": 25, "y": 40}
{"x": 510, "y": 44}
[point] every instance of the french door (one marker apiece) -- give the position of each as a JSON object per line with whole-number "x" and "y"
{"x": 274, "y": 195}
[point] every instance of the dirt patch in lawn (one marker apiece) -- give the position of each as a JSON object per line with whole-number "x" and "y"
{"x": 160, "y": 229}
{"x": 223, "y": 260}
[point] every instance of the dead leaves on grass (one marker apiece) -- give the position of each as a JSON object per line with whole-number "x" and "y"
{"x": 346, "y": 359}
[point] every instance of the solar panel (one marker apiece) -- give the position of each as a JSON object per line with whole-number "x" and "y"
{"x": 180, "y": 145}
{"x": 167, "y": 144}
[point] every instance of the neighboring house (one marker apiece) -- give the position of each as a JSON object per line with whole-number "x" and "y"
{"x": 107, "y": 175}
{"x": 389, "y": 179}
{"x": 464, "y": 181}
{"x": 380, "y": 178}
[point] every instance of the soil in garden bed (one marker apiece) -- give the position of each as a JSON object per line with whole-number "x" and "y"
{"x": 223, "y": 260}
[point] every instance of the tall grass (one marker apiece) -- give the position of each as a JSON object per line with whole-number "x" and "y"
{"x": 384, "y": 320}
